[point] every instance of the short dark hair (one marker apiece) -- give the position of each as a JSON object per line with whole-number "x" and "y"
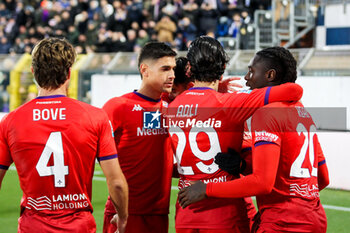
{"x": 207, "y": 58}
{"x": 181, "y": 70}
{"x": 281, "y": 60}
{"x": 154, "y": 51}
{"x": 51, "y": 60}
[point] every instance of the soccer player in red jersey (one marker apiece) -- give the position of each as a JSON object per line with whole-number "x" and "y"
{"x": 54, "y": 142}
{"x": 143, "y": 144}
{"x": 204, "y": 122}
{"x": 181, "y": 82}
{"x": 289, "y": 167}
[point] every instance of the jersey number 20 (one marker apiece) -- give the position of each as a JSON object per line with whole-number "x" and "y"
{"x": 53, "y": 147}
{"x": 296, "y": 170}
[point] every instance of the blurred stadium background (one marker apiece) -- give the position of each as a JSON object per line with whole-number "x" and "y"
{"x": 108, "y": 35}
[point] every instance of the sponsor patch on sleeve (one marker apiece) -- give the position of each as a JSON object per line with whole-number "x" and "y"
{"x": 265, "y": 136}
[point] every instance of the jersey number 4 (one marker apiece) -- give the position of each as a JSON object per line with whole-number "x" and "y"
{"x": 53, "y": 147}
{"x": 296, "y": 170}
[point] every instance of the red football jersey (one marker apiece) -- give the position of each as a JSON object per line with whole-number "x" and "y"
{"x": 54, "y": 141}
{"x": 291, "y": 127}
{"x": 144, "y": 151}
{"x": 204, "y": 122}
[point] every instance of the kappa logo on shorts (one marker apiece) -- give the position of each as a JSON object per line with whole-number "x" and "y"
{"x": 151, "y": 120}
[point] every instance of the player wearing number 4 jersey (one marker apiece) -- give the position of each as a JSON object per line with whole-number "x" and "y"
{"x": 206, "y": 122}
{"x": 54, "y": 141}
{"x": 288, "y": 164}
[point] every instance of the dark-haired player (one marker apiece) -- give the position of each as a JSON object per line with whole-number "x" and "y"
{"x": 288, "y": 164}
{"x": 54, "y": 141}
{"x": 206, "y": 122}
{"x": 183, "y": 82}
{"x": 144, "y": 147}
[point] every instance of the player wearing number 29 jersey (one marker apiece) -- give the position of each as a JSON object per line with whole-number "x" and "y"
{"x": 54, "y": 141}
{"x": 196, "y": 147}
{"x": 204, "y": 122}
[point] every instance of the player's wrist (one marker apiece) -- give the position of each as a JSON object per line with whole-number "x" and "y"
{"x": 123, "y": 216}
{"x": 208, "y": 189}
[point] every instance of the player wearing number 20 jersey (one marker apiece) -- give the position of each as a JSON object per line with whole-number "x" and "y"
{"x": 293, "y": 203}
{"x": 289, "y": 167}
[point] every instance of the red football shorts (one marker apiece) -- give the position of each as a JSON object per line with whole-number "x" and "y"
{"x": 139, "y": 223}
{"x": 251, "y": 211}
{"x": 79, "y": 222}
{"x": 293, "y": 217}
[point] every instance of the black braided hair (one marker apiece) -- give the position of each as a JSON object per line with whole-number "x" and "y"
{"x": 207, "y": 58}
{"x": 282, "y": 61}
{"x": 181, "y": 70}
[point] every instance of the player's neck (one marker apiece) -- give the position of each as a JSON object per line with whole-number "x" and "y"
{"x": 47, "y": 92}
{"x": 149, "y": 92}
{"x": 214, "y": 85}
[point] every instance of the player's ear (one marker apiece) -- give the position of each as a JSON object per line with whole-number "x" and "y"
{"x": 271, "y": 75}
{"x": 188, "y": 69}
{"x": 69, "y": 73}
{"x": 190, "y": 85}
{"x": 144, "y": 69}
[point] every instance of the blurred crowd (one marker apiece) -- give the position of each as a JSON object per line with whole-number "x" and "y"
{"x": 120, "y": 25}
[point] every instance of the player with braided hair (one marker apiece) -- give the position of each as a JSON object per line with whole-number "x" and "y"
{"x": 278, "y": 60}
{"x": 196, "y": 146}
{"x": 289, "y": 167}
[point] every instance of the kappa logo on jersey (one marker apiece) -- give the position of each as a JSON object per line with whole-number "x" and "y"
{"x": 151, "y": 120}
{"x": 165, "y": 104}
{"x": 137, "y": 107}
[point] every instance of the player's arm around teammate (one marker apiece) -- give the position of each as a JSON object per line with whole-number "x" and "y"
{"x": 289, "y": 167}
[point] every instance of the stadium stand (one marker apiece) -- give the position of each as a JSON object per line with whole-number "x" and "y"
{"x": 111, "y": 33}
{"x": 125, "y": 25}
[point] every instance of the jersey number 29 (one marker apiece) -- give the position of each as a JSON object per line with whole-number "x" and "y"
{"x": 202, "y": 155}
{"x": 53, "y": 147}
